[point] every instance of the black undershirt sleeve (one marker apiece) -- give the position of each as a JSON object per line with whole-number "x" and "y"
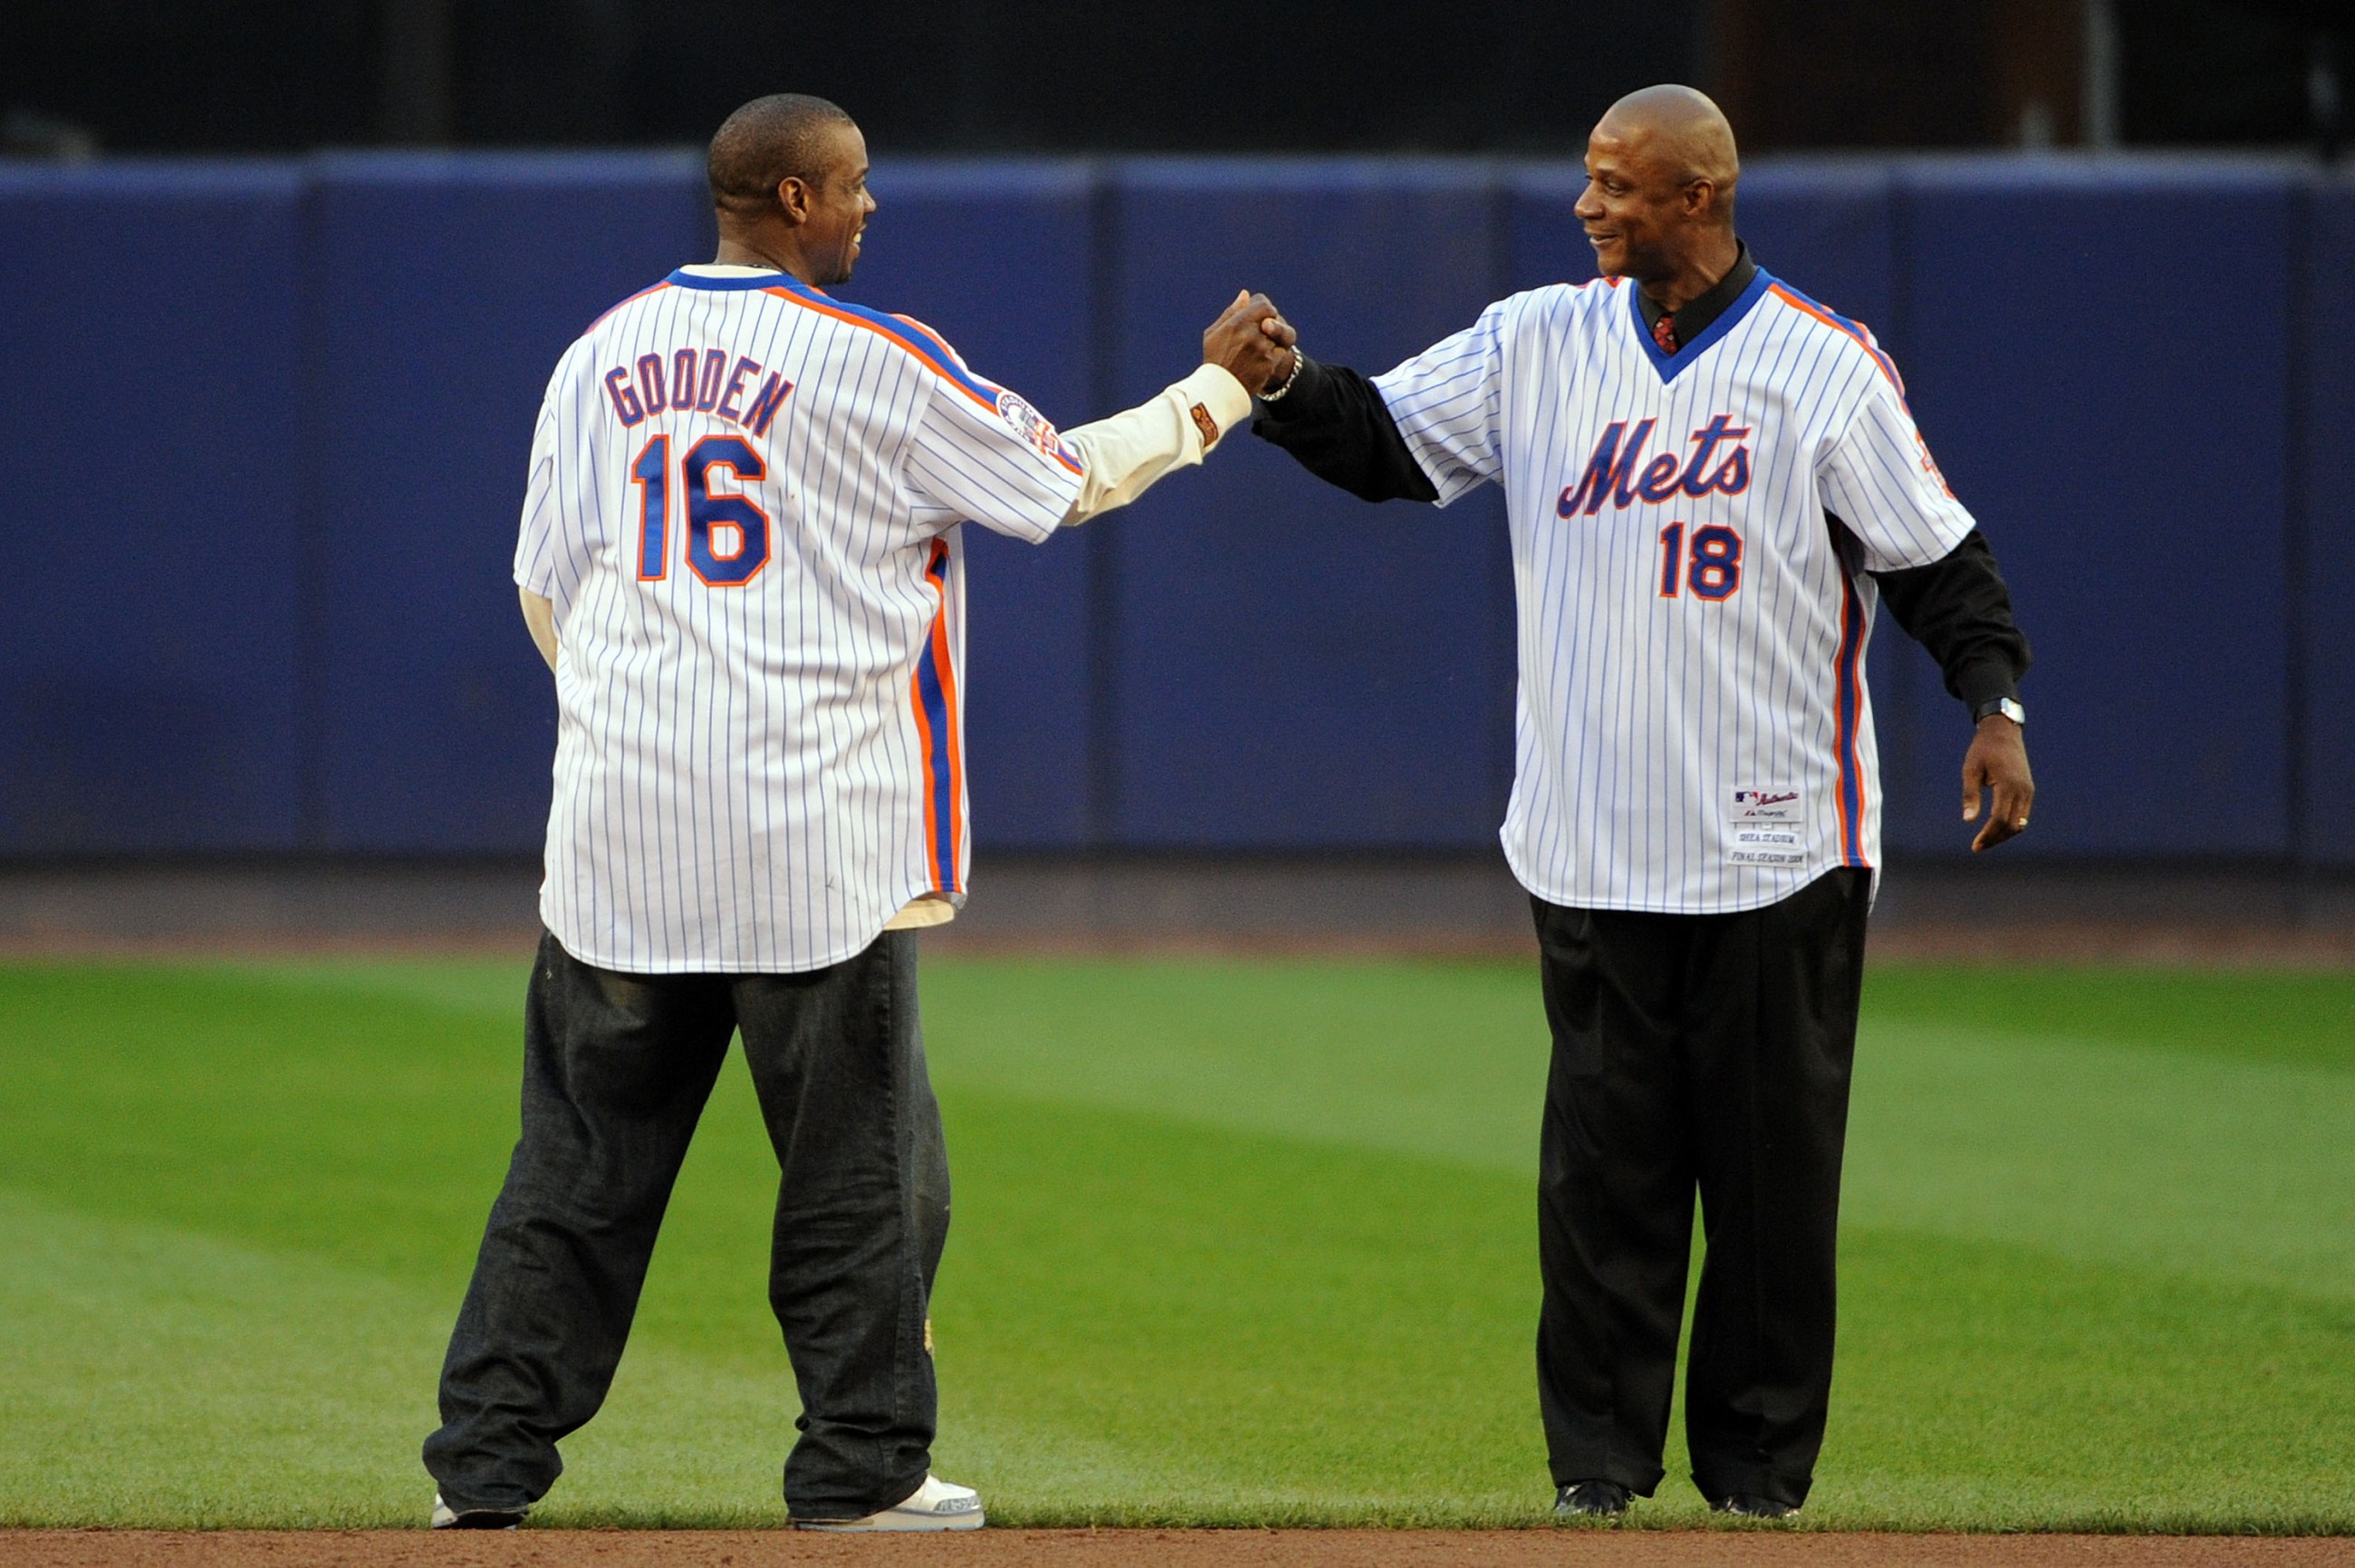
{"x": 1959, "y": 609}
{"x": 1333, "y": 421}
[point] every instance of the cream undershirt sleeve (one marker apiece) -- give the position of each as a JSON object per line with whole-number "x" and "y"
{"x": 1126, "y": 455}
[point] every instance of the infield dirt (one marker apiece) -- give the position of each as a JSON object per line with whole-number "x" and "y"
{"x": 1162, "y": 1548}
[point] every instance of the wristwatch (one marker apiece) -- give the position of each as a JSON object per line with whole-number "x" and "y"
{"x": 2008, "y": 707}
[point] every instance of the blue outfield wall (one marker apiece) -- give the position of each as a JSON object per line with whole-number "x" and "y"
{"x": 270, "y": 424}
{"x": 444, "y": 290}
{"x": 1002, "y": 261}
{"x": 2322, "y": 532}
{"x": 150, "y": 617}
{"x": 1294, "y": 667}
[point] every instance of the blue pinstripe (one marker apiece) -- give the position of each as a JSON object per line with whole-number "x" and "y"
{"x": 740, "y": 784}
{"x": 1638, "y": 716}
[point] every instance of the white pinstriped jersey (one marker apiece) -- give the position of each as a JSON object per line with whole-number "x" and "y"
{"x": 1693, "y": 730}
{"x": 742, "y": 504}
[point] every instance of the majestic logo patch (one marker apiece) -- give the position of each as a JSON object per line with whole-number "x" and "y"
{"x": 1206, "y": 425}
{"x": 1029, "y": 423}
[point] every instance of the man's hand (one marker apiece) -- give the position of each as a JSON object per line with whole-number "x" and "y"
{"x": 1998, "y": 760}
{"x": 1251, "y": 342}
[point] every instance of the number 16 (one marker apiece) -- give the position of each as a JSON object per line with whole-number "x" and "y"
{"x": 741, "y": 548}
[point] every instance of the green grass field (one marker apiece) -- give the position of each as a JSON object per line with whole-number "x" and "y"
{"x": 1235, "y": 1243}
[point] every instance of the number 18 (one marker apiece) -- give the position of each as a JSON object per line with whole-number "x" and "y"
{"x": 1714, "y": 568}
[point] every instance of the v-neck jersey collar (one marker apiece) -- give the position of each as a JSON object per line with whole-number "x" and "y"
{"x": 1669, "y": 365}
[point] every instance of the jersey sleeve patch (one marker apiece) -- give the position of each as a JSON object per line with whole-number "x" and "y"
{"x": 1030, "y": 424}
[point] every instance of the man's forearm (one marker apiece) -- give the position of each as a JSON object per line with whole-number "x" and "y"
{"x": 1959, "y": 609}
{"x": 1128, "y": 454}
{"x": 1335, "y": 423}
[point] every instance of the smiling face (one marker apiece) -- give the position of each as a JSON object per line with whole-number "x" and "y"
{"x": 834, "y": 207}
{"x": 1642, "y": 214}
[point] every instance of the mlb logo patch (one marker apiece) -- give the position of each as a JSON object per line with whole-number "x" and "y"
{"x": 1766, "y": 828}
{"x": 1767, "y": 805}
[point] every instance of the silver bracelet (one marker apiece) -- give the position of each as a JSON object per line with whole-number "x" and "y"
{"x": 1297, "y": 358}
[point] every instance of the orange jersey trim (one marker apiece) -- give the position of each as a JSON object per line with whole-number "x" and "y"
{"x": 930, "y": 352}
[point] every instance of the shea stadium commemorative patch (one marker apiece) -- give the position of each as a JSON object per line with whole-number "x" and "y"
{"x": 1029, "y": 423}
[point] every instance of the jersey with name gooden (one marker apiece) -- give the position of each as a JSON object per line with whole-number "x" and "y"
{"x": 1693, "y": 733}
{"x": 743, "y": 505}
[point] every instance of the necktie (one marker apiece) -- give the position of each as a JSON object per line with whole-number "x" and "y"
{"x": 1664, "y": 333}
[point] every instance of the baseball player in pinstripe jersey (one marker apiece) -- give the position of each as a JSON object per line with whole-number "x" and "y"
{"x": 741, "y": 557}
{"x": 1713, "y": 483}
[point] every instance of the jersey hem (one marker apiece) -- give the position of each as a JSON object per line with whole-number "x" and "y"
{"x": 588, "y": 954}
{"x": 1741, "y": 905}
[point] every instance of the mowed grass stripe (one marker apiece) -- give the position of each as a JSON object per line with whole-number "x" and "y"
{"x": 1195, "y": 1343}
{"x": 1151, "y": 1313}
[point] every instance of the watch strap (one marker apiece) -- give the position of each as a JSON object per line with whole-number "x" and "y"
{"x": 2008, "y": 706}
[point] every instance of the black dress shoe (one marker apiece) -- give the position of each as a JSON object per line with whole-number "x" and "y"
{"x": 1748, "y": 1505}
{"x": 1597, "y": 1500}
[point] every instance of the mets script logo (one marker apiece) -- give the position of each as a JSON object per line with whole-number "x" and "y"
{"x": 1614, "y": 478}
{"x": 1029, "y": 423}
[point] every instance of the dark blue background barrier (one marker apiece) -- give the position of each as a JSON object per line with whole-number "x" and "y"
{"x": 2099, "y": 359}
{"x": 269, "y": 426}
{"x": 445, "y": 289}
{"x": 2322, "y": 534}
{"x": 1294, "y": 667}
{"x": 1001, "y": 261}
{"x": 150, "y": 616}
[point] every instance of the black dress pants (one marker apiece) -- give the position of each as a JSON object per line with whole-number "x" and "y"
{"x": 616, "y": 1071}
{"x": 1709, "y": 1053}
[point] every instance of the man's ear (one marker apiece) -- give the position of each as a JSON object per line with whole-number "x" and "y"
{"x": 792, "y": 199}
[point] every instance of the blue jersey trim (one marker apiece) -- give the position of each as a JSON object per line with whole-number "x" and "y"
{"x": 923, "y": 342}
{"x": 920, "y": 341}
{"x": 1855, "y": 329}
{"x": 1669, "y": 364}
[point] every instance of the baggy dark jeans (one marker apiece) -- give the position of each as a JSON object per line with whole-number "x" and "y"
{"x": 1710, "y": 1053}
{"x": 616, "y": 1071}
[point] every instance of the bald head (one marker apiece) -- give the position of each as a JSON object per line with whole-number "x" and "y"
{"x": 784, "y": 135}
{"x": 1658, "y": 203}
{"x": 1680, "y": 133}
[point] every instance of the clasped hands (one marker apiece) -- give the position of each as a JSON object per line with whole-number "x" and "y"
{"x": 1252, "y": 342}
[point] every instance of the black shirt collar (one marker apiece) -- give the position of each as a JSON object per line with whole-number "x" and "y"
{"x": 1695, "y": 316}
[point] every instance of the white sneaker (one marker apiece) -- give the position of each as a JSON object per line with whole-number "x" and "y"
{"x": 935, "y": 1505}
{"x": 447, "y": 1518}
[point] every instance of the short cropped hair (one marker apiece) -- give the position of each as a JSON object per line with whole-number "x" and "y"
{"x": 764, "y": 144}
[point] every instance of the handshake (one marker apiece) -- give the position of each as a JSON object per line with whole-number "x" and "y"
{"x": 1254, "y": 343}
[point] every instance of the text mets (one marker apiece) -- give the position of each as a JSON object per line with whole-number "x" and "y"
{"x": 1612, "y": 475}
